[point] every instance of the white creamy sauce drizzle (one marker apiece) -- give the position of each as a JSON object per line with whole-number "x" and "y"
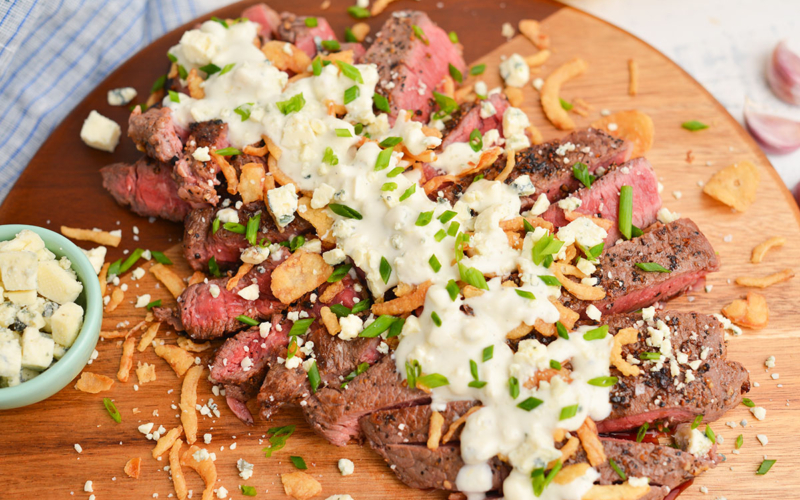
{"x": 389, "y": 230}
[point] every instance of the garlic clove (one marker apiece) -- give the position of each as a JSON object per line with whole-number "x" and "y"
{"x": 783, "y": 73}
{"x": 775, "y": 134}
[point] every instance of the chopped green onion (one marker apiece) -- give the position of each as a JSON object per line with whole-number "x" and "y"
{"x": 581, "y": 172}
{"x": 636, "y": 232}
{"x": 161, "y": 258}
{"x": 625, "y": 211}
{"x": 329, "y": 157}
{"x": 389, "y": 186}
{"x": 247, "y": 320}
{"x": 562, "y": 330}
{"x": 597, "y": 333}
{"x": 213, "y": 267}
{"x": 739, "y": 441}
{"x": 616, "y": 468}
{"x": 473, "y": 369}
{"x": 350, "y": 71}
{"x": 311, "y": 22}
{"x": 652, "y": 267}
{"x": 314, "y": 380}
{"x": 456, "y": 74}
{"x": 697, "y": 421}
{"x": 384, "y": 157}
{"x": 361, "y": 305}
{"x": 300, "y": 327}
{"x": 594, "y": 252}
{"x": 408, "y": 192}
{"x": 174, "y": 96}
{"x": 710, "y": 434}
{"x": 172, "y": 57}
{"x": 158, "y": 84}
{"x": 748, "y": 402}
{"x": 477, "y": 384}
{"x": 453, "y": 36}
{"x": 345, "y": 211}
{"x": 215, "y": 225}
{"x": 452, "y": 290}
{"x": 412, "y": 370}
{"x": 229, "y": 151}
{"x": 547, "y": 245}
{"x": 433, "y": 380}
{"x": 472, "y": 276}
{"x": 248, "y": 491}
{"x": 540, "y": 481}
{"x": 436, "y": 319}
{"x": 446, "y": 216}
{"x": 424, "y": 218}
{"x": 151, "y": 305}
{"x": 358, "y": 12}
{"x": 524, "y": 294}
{"x": 564, "y": 104}
{"x": 351, "y": 94}
{"x": 349, "y": 36}
{"x": 435, "y": 264}
{"x": 513, "y": 387}
{"x": 182, "y": 73}
{"x": 694, "y": 125}
{"x": 642, "y": 432}
{"x": 440, "y": 235}
{"x": 278, "y": 438}
{"x": 220, "y": 21}
{"x": 131, "y": 260}
{"x": 475, "y": 140}
{"x": 550, "y": 280}
{"x": 765, "y": 466}
{"x": 111, "y": 408}
{"x": 340, "y": 310}
{"x": 396, "y": 328}
{"x": 446, "y": 104}
{"x": 291, "y": 105}
{"x": 530, "y": 403}
{"x": 330, "y": 45}
{"x": 650, "y": 356}
{"x": 316, "y": 66}
{"x": 251, "y": 232}
{"x": 555, "y": 365}
{"x": 381, "y": 102}
{"x": 603, "y": 381}
{"x": 568, "y": 412}
{"x": 385, "y": 270}
{"x": 343, "y": 132}
{"x": 296, "y": 243}
{"x": 420, "y": 34}
{"x": 527, "y": 226}
{"x": 227, "y": 68}
{"x": 488, "y": 353}
{"x": 391, "y": 142}
{"x": 244, "y": 111}
{"x": 234, "y": 227}
{"x": 339, "y": 273}
{"x": 477, "y": 178}
{"x": 453, "y": 229}
{"x": 378, "y": 326}
{"x": 210, "y": 69}
{"x": 478, "y": 69}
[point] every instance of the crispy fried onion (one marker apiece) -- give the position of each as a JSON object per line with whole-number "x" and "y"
{"x": 751, "y": 313}
{"x": 550, "y": 98}
{"x": 279, "y": 175}
{"x": 569, "y": 449}
{"x": 257, "y": 150}
{"x": 538, "y": 59}
{"x": 569, "y": 473}
{"x": 624, "y": 337}
{"x": 761, "y": 249}
{"x": 301, "y": 273}
{"x": 178, "y": 480}
{"x": 228, "y": 171}
{"x": 126, "y": 360}
{"x": 330, "y": 320}
{"x": 293, "y": 59}
{"x": 519, "y": 332}
{"x": 486, "y": 160}
{"x": 405, "y": 304}
{"x": 590, "y": 440}
{"x": 251, "y": 182}
{"x": 624, "y": 491}
{"x": 147, "y": 338}
{"x": 166, "y": 441}
{"x": 765, "y": 281}
{"x": 178, "y": 359}
{"x": 206, "y": 469}
{"x": 299, "y": 485}
{"x": 189, "y": 402}
{"x": 243, "y": 269}
{"x": 435, "y": 430}
{"x": 194, "y": 82}
{"x": 93, "y": 383}
{"x": 567, "y": 317}
{"x": 167, "y": 276}
{"x": 517, "y": 224}
{"x": 453, "y": 428}
{"x": 531, "y": 30}
{"x": 545, "y": 375}
{"x": 511, "y": 162}
{"x": 331, "y": 291}
{"x": 579, "y": 290}
{"x": 317, "y": 217}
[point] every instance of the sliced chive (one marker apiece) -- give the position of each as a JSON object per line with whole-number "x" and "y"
{"x": 396, "y": 328}
{"x": 568, "y": 412}
{"x": 440, "y": 235}
{"x": 530, "y": 403}
{"x": 111, "y": 408}
{"x": 739, "y": 441}
{"x": 472, "y": 276}
{"x": 597, "y": 333}
{"x": 555, "y": 365}
{"x": 550, "y": 280}
{"x": 248, "y": 491}
{"x": 642, "y": 432}
{"x": 390, "y": 142}
{"x": 408, "y": 192}
{"x": 378, "y": 326}
{"x": 625, "y": 211}
{"x": 339, "y": 273}
{"x": 478, "y": 69}
{"x": 311, "y": 22}
{"x": 316, "y": 66}
{"x": 161, "y": 258}
{"x": 697, "y": 421}
{"x": 513, "y": 387}
{"x": 227, "y": 68}
{"x": 452, "y": 290}
{"x": 710, "y": 434}
{"x": 213, "y": 267}
{"x": 210, "y": 69}
{"x": 381, "y": 102}
{"x": 174, "y": 96}
{"x": 345, "y": 211}
{"x": 453, "y": 36}
{"x": 340, "y": 310}
{"x": 182, "y": 73}
{"x": 234, "y": 227}
{"x": 524, "y": 294}
{"x": 229, "y": 151}
{"x": 247, "y": 320}
{"x": 385, "y": 270}
{"x": 151, "y": 305}
{"x": 251, "y": 231}
{"x": 424, "y": 218}
{"x": 475, "y": 140}
{"x": 300, "y": 327}
{"x": 220, "y": 21}
{"x": 158, "y": 84}
{"x": 616, "y": 468}
{"x": 215, "y": 225}
{"x": 343, "y": 132}
{"x": 581, "y": 172}
{"x": 436, "y": 319}
{"x": 694, "y": 125}
{"x": 650, "y": 356}
{"x": 488, "y": 353}
{"x": 291, "y": 105}
{"x": 446, "y": 216}
{"x": 389, "y": 186}
{"x": 748, "y": 402}
{"x": 349, "y": 36}
{"x": 358, "y": 12}
{"x": 351, "y": 94}
{"x": 420, "y": 34}
{"x": 384, "y": 157}
{"x": 313, "y": 379}
{"x": 765, "y": 466}
{"x": 361, "y": 306}
{"x": 278, "y": 438}
{"x": 562, "y": 330}
{"x": 329, "y": 157}
{"x": 350, "y": 71}
{"x": 456, "y": 74}
{"x": 453, "y": 229}
{"x": 330, "y": 45}
{"x": 565, "y": 105}
{"x": 433, "y": 380}
{"x": 435, "y": 264}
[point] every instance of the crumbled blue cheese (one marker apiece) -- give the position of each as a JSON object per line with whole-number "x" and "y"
{"x": 282, "y": 204}
{"x": 213, "y": 289}
{"x": 313, "y": 246}
{"x": 322, "y": 196}
{"x": 515, "y": 121}
{"x": 245, "y": 469}
{"x": 759, "y": 412}
{"x": 569, "y": 204}
{"x": 142, "y": 300}
{"x": 481, "y": 89}
{"x": 97, "y": 257}
{"x": 121, "y": 96}
{"x": 487, "y": 109}
{"x": 638, "y": 481}
{"x": 507, "y": 30}
{"x": 201, "y": 455}
{"x": 10, "y": 354}
{"x": 351, "y": 327}
{"x": 541, "y": 205}
{"x": 762, "y": 438}
{"x": 249, "y": 292}
{"x": 515, "y": 71}
{"x": 65, "y": 324}
{"x": 593, "y": 312}
{"x": 228, "y": 215}
{"x": 665, "y": 216}
{"x": 524, "y": 186}
{"x": 100, "y": 132}
{"x": 693, "y": 441}
{"x": 346, "y": 466}
{"x": 255, "y": 255}
{"x": 334, "y": 257}
{"x": 37, "y": 349}
{"x": 770, "y": 362}
{"x": 201, "y": 154}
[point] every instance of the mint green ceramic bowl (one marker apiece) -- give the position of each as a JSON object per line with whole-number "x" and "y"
{"x": 68, "y": 367}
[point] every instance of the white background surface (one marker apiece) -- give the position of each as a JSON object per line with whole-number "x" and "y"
{"x": 724, "y": 44}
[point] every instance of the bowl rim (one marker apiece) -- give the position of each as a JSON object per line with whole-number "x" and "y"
{"x": 59, "y": 373}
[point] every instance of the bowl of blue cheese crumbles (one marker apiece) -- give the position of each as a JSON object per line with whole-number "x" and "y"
{"x": 50, "y": 313}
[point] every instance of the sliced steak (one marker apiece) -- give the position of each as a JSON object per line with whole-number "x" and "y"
{"x": 602, "y": 198}
{"x": 675, "y": 393}
{"x": 334, "y": 412}
{"x": 146, "y": 187}
{"x": 358, "y": 51}
{"x": 678, "y": 246}
{"x": 468, "y": 118}
{"x": 266, "y": 17}
{"x": 383, "y": 427}
{"x": 197, "y": 180}
{"x": 241, "y": 378}
{"x": 409, "y": 69}
{"x": 154, "y": 132}
{"x": 200, "y": 243}
{"x": 203, "y": 316}
{"x": 549, "y": 165}
{"x": 336, "y": 359}
{"x": 292, "y": 28}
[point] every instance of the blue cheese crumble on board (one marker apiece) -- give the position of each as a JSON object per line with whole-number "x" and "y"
{"x": 101, "y": 133}
{"x": 39, "y": 319}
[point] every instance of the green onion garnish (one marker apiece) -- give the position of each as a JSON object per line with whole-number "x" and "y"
{"x": 456, "y": 74}
{"x": 424, "y": 218}
{"x": 420, "y": 34}
{"x": 378, "y": 326}
{"x": 174, "y": 96}
{"x": 562, "y": 330}
{"x": 625, "y": 211}
{"x": 650, "y": 356}
{"x": 581, "y": 172}
{"x": 452, "y": 290}
{"x": 597, "y": 333}
{"x": 158, "y": 84}
{"x": 697, "y": 421}
{"x": 313, "y": 379}
{"x": 616, "y": 468}
{"x": 739, "y": 441}
{"x": 358, "y": 12}
{"x": 227, "y": 152}
{"x": 300, "y": 327}
{"x": 384, "y": 157}
{"x": 210, "y": 69}
{"x": 345, "y": 211}
{"x": 568, "y": 412}
{"x": 530, "y": 403}
{"x": 343, "y": 132}
{"x": 453, "y": 36}
{"x": 524, "y": 294}
{"x": 436, "y": 319}
{"x": 748, "y": 402}
{"x": 433, "y": 380}
{"x": 475, "y": 140}
{"x": 151, "y": 305}
{"x": 435, "y": 264}
{"x": 381, "y": 102}
{"x": 488, "y": 353}
{"x": 350, "y": 71}
{"x": 278, "y": 438}
{"x": 161, "y": 258}
{"x": 694, "y": 125}
{"x": 248, "y": 491}
{"x": 351, "y": 94}
{"x": 566, "y": 105}
{"x": 765, "y": 466}
{"x": 478, "y": 69}
{"x": 472, "y": 276}
{"x": 513, "y": 387}
{"x": 111, "y": 408}
{"x": 131, "y": 260}
{"x": 339, "y": 273}
{"x": 291, "y": 105}
{"x": 408, "y": 192}
{"x": 385, "y": 270}
{"x": 555, "y": 365}
{"x": 550, "y": 280}
{"x": 234, "y": 227}
{"x": 213, "y": 267}
{"x": 603, "y": 381}
{"x": 227, "y": 68}
{"x": 642, "y": 432}
{"x": 330, "y": 45}
{"x": 389, "y": 186}
{"x": 311, "y": 22}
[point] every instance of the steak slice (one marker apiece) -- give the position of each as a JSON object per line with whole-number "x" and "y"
{"x": 203, "y": 316}
{"x": 154, "y": 132}
{"x": 468, "y": 118}
{"x": 334, "y": 412}
{"x": 146, "y": 187}
{"x": 336, "y": 359}
{"x": 400, "y": 437}
{"x": 197, "y": 180}
{"x": 678, "y": 246}
{"x": 241, "y": 382}
{"x": 549, "y": 165}
{"x": 409, "y": 69}
{"x": 266, "y": 17}
{"x": 679, "y": 393}
{"x": 602, "y": 198}
{"x": 292, "y": 28}
{"x": 200, "y": 243}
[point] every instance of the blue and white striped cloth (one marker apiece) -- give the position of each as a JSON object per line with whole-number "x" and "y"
{"x": 54, "y": 52}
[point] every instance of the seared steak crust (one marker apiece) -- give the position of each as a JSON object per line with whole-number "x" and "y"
{"x": 154, "y": 133}
{"x": 197, "y": 180}
{"x": 292, "y": 28}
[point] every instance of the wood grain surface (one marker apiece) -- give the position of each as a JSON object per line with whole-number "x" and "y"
{"x": 62, "y": 186}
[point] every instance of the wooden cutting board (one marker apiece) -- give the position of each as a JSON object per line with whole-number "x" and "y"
{"x": 62, "y": 186}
